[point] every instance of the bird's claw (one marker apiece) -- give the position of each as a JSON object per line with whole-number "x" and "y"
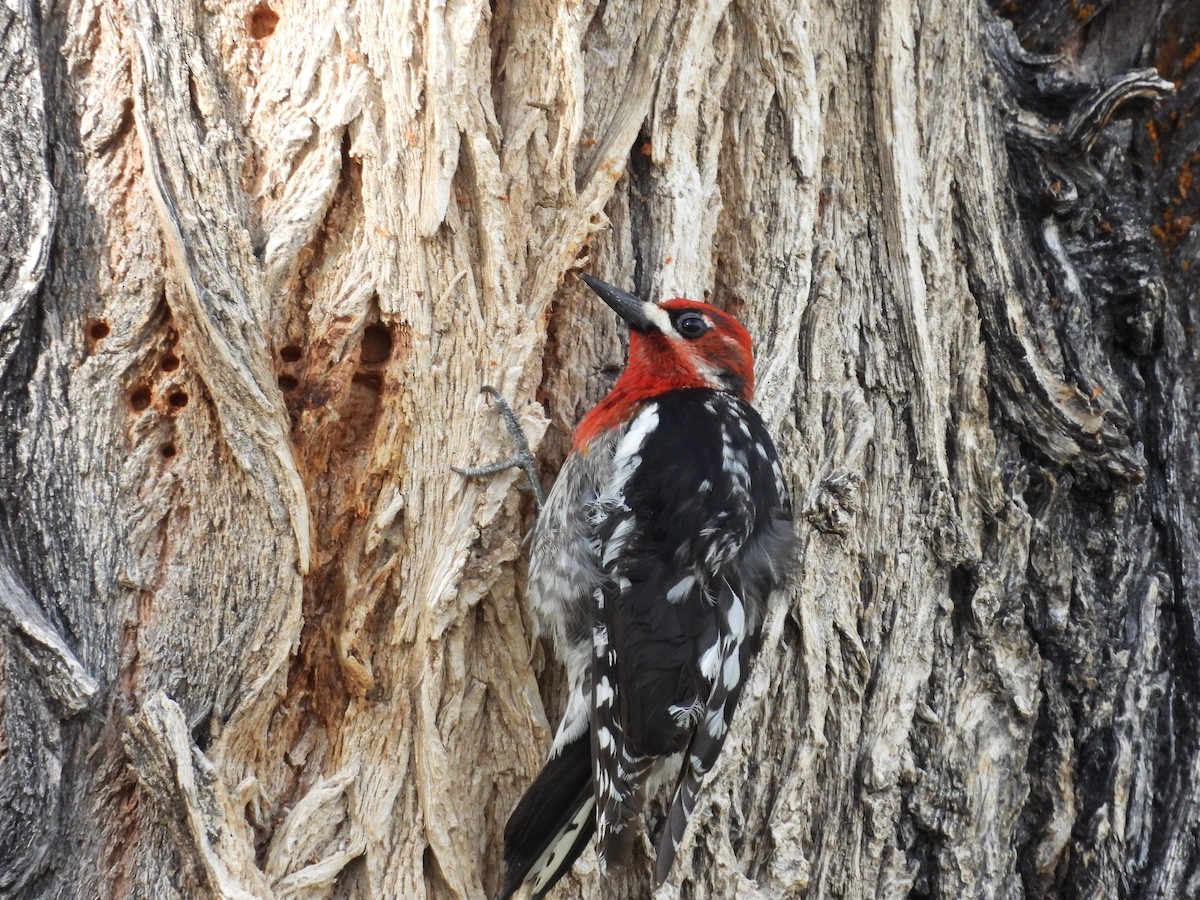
{"x": 524, "y": 458}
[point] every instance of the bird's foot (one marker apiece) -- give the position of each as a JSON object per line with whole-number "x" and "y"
{"x": 524, "y": 458}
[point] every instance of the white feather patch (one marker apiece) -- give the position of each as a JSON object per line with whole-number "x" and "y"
{"x": 681, "y": 588}
{"x": 547, "y": 864}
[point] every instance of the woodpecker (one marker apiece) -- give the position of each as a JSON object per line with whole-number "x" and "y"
{"x": 651, "y": 563}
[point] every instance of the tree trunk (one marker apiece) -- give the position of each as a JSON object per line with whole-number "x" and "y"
{"x": 256, "y": 263}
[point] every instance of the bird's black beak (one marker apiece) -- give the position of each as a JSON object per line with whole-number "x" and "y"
{"x": 629, "y": 307}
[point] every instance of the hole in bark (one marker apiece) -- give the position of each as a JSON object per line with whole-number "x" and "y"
{"x": 360, "y": 408}
{"x": 433, "y": 870}
{"x": 262, "y": 22}
{"x": 98, "y": 330}
{"x": 962, "y": 591}
{"x": 202, "y": 733}
{"x": 352, "y": 873}
{"x": 288, "y": 383}
{"x": 367, "y": 383}
{"x": 139, "y": 399}
{"x": 168, "y": 451}
{"x": 178, "y": 399}
{"x": 290, "y": 353}
{"x": 169, "y": 363}
{"x": 376, "y": 344}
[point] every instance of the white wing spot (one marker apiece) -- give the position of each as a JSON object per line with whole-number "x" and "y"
{"x": 604, "y": 693}
{"x": 732, "y": 673}
{"x": 736, "y": 617}
{"x": 709, "y": 661}
{"x": 681, "y": 589}
{"x": 714, "y": 723}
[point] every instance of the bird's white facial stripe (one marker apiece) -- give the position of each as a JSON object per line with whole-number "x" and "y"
{"x": 660, "y": 319}
{"x": 710, "y": 374}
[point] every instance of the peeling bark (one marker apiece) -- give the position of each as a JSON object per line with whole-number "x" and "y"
{"x": 256, "y": 264}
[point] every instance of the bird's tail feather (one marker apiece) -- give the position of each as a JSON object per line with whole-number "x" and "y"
{"x": 708, "y": 738}
{"x": 552, "y": 823}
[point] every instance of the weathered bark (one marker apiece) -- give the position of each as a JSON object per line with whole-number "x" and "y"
{"x": 256, "y": 263}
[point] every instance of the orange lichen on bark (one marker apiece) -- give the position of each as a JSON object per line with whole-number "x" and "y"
{"x": 1192, "y": 57}
{"x": 1155, "y": 140}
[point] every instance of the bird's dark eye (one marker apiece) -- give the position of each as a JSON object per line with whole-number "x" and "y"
{"x": 691, "y": 325}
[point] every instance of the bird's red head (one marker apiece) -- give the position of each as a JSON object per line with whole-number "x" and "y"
{"x": 672, "y": 345}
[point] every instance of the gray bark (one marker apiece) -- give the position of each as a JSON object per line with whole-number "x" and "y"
{"x": 256, "y": 263}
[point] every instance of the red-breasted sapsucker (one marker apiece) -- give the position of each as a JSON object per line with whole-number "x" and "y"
{"x": 651, "y": 563}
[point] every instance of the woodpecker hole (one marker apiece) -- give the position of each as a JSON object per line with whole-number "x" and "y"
{"x": 366, "y": 380}
{"x": 167, "y": 451}
{"x": 360, "y": 408}
{"x": 169, "y": 363}
{"x": 376, "y": 345}
{"x": 139, "y": 399}
{"x": 262, "y": 22}
{"x": 178, "y": 399}
{"x": 288, "y": 383}
{"x": 290, "y": 353}
{"x": 98, "y": 330}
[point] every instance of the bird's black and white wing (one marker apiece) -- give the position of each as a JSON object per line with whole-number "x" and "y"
{"x": 691, "y": 530}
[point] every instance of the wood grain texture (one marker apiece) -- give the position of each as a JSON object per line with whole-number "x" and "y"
{"x": 257, "y": 261}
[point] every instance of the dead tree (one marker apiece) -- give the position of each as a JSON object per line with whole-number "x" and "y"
{"x": 257, "y": 260}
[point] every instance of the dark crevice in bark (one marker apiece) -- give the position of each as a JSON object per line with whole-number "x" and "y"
{"x": 641, "y": 192}
{"x": 1121, "y": 664}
